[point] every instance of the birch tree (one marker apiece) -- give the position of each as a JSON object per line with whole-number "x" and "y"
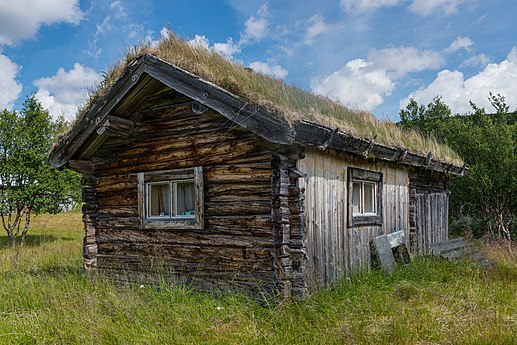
{"x": 28, "y": 184}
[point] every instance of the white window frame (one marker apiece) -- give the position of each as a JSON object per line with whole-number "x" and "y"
{"x": 365, "y": 177}
{"x": 173, "y": 193}
{"x": 172, "y": 178}
{"x": 362, "y": 204}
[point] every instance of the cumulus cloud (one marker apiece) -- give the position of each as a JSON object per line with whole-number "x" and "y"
{"x": 363, "y": 83}
{"x": 21, "y": 19}
{"x": 269, "y": 69}
{"x": 199, "y": 41}
{"x": 359, "y": 84}
{"x": 227, "y": 49}
{"x": 356, "y": 7}
{"x": 10, "y": 89}
{"x": 457, "y": 91}
{"x": 317, "y": 26}
{"x": 166, "y": 32}
{"x": 62, "y": 93}
{"x": 476, "y": 60}
{"x": 426, "y": 7}
{"x": 256, "y": 26}
{"x": 401, "y": 61}
{"x": 460, "y": 43}
{"x": 255, "y": 29}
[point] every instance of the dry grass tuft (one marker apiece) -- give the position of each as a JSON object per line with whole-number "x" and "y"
{"x": 281, "y": 99}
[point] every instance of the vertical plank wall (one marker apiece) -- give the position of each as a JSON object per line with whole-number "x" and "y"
{"x": 428, "y": 211}
{"x": 335, "y": 250}
{"x": 431, "y": 213}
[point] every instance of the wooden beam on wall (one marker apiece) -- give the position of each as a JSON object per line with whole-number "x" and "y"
{"x": 83, "y": 166}
{"x": 115, "y": 126}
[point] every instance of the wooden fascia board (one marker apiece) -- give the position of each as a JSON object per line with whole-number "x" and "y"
{"x": 323, "y": 137}
{"x": 95, "y": 117}
{"x": 230, "y": 106}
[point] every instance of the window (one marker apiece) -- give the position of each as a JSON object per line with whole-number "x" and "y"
{"x": 171, "y": 199}
{"x": 364, "y": 197}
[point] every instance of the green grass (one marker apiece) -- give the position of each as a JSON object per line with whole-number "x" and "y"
{"x": 46, "y": 298}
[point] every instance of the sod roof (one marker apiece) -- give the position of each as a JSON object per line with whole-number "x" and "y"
{"x": 279, "y": 99}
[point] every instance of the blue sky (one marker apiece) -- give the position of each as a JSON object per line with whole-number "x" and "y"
{"x": 367, "y": 54}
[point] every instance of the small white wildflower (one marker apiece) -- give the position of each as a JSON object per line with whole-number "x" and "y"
{"x": 219, "y": 308}
{"x": 141, "y": 286}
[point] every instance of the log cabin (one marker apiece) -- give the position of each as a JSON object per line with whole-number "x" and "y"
{"x": 186, "y": 178}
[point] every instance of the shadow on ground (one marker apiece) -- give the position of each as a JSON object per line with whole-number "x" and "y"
{"x": 34, "y": 240}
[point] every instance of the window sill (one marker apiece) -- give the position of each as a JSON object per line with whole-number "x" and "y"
{"x": 177, "y": 223}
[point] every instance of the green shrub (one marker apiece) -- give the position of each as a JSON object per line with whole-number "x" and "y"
{"x": 468, "y": 227}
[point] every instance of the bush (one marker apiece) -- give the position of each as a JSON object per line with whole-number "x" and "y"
{"x": 467, "y": 227}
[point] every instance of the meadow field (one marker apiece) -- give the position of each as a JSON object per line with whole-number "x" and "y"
{"x": 47, "y": 298}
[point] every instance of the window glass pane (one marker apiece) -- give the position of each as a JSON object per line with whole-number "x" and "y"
{"x": 159, "y": 200}
{"x": 186, "y": 199}
{"x": 356, "y": 197}
{"x": 369, "y": 197}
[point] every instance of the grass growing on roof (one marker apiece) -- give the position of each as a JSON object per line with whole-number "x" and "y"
{"x": 285, "y": 101}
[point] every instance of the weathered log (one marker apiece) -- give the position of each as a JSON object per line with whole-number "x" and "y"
{"x": 82, "y": 166}
{"x": 115, "y": 126}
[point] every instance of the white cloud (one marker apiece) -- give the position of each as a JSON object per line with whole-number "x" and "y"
{"x": 363, "y": 83}
{"x": 255, "y": 29}
{"x": 118, "y": 8}
{"x": 317, "y": 26}
{"x": 273, "y": 69}
{"x": 256, "y": 26}
{"x": 476, "y": 60}
{"x": 356, "y": 7}
{"x": 153, "y": 43}
{"x": 199, "y": 41}
{"x": 457, "y": 91}
{"x": 165, "y": 32}
{"x": 426, "y": 7}
{"x": 21, "y": 19}
{"x": 116, "y": 24}
{"x": 228, "y": 49}
{"x": 401, "y": 61}
{"x": 10, "y": 89}
{"x": 358, "y": 84}
{"x": 62, "y": 93}
{"x": 104, "y": 26}
{"x": 460, "y": 43}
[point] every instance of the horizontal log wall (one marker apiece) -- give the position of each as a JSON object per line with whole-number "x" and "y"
{"x": 334, "y": 249}
{"x": 236, "y": 246}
